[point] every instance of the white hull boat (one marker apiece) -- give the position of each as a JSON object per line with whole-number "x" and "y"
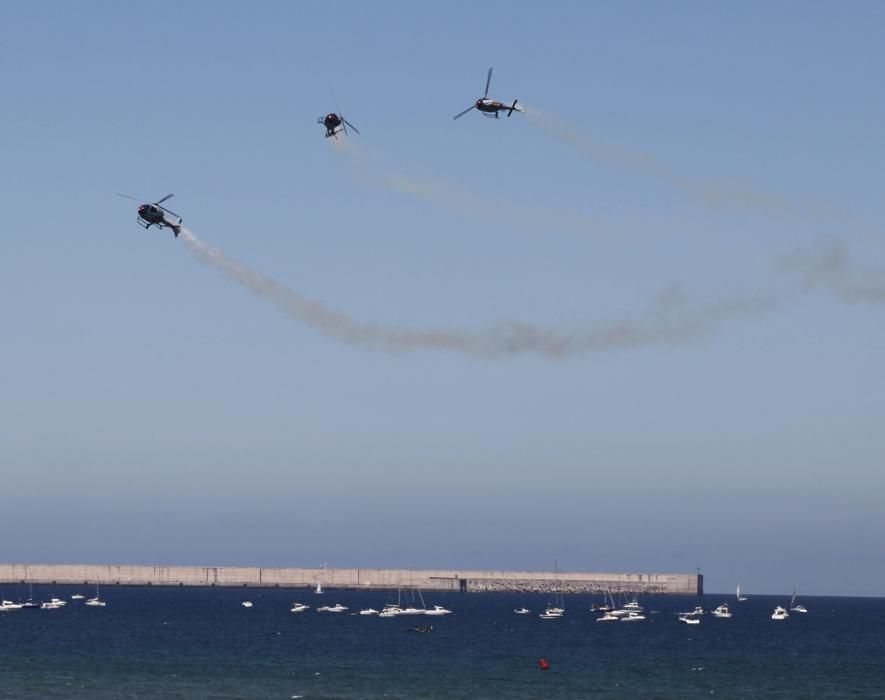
{"x": 438, "y": 610}
{"x": 337, "y": 608}
{"x": 780, "y": 613}
{"x": 722, "y": 611}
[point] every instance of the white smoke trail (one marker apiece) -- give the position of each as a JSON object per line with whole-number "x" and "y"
{"x": 670, "y": 320}
{"x": 735, "y": 197}
{"x": 371, "y": 168}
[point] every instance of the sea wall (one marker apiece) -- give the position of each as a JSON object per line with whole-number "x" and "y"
{"x": 428, "y": 579}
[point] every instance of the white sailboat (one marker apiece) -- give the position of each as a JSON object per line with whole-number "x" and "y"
{"x": 796, "y": 608}
{"x": 557, "y": 610}
{"x": 739, "y": 597}
{"x": 319, "y": 588}
{"x": 95, "y": 602}
{"x": 412, "y": 608}
{"x": 30, "y": 603}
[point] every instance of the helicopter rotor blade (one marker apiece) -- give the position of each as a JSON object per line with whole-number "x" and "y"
{"x": 464, "y": 112}
{"x": 120, "y": 194}
{"x": 349, "y": 124}
{"x": 488, "y": 82}
{"x": 160, "y": 201}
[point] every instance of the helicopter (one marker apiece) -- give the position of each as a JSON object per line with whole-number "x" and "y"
{"x": 332, "y": 121}
{"x": 489, "y": 107}
{"x": 154, "y": 214}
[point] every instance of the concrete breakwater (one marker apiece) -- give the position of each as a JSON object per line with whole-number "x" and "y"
{"x": 427, "y": 579}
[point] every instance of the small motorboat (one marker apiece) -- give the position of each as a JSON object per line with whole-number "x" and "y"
{"x": 299, "y": 607}
{"x": 722, "y": 611}
{"x": 632, "y": 616}
{"x": 77, "y": 596}
{"x": 368, "y": 611}
{"x": 690, "y": 619}
{"x": 608, "y": 617}
{"x": 438, "y": 610}
{"x": 246, "y": 603}
{"x": 780, "y": 613}
{"x": 522, "y": 611}
{"x": 552, "y": 613}
{"x": 337, "y": 608}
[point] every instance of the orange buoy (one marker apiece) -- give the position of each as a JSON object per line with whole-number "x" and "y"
{"x": 543, "y": 664}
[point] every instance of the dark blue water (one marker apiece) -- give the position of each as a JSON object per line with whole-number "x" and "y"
{"x": 201, "y": 643}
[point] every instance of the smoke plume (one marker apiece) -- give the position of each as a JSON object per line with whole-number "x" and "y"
{"x": 735, "y": 197}
{"x": 669, "y": 320}
{"x": 831, "y": 268}
{"x": 370, "y": 168}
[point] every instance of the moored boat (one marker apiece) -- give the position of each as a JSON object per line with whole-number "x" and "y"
{"x": 722, "y": 611}
{"x": 780, "y": 613}
{"x": 337, "y": 608}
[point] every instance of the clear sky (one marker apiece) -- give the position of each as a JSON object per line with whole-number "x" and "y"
{"x": 637, "y": 328}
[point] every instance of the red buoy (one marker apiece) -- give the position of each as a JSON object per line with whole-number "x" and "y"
{"x": 543, "y": 664}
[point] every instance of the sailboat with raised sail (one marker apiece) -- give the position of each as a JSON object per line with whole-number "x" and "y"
{"x": 796, "y": 608}
{"x": 740, "y": 598}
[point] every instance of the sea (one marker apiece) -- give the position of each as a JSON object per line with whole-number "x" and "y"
{"x": 158, "y": 642}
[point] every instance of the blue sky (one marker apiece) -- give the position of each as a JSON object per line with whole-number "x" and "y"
{"x": 156, "y": 411}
